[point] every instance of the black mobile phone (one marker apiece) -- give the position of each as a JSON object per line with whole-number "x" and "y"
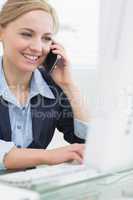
{"x": 50, "y": 61}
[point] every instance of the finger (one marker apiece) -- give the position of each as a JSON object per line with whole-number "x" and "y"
{"x": 80, "y": 153}
{"x": 59, "y": 47}
{"x": 59, "y": 52}
{"x": 57, "y": 43}
{"x": 79, "y": 148}
{"x": 75, "y": 157}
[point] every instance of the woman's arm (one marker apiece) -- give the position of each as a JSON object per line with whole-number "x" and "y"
{"x": 20, "y": 158}
{"x": 62, "y": 76}
{"x": 80, "y": 110}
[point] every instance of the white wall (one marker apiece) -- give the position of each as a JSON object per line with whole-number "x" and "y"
{"x": 79, "y": 27}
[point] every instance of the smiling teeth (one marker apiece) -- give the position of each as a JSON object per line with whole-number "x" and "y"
{"x": 33, "y": 58}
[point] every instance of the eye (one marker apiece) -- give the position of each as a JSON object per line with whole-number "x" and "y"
{"x": 26, "y": 34}
{"x": 47, "y": 39}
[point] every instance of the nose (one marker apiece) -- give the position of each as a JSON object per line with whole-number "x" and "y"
{"x": 36, "y": 46}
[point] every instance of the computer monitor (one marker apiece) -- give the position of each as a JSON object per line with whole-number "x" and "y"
{"x": 110, "y": 140}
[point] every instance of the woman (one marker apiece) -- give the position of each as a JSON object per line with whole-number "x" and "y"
{"x": 34, "y": 103}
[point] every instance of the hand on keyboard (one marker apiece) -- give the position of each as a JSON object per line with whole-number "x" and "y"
{"x": 64, "y": 154}
{"x": 21, "y": 158}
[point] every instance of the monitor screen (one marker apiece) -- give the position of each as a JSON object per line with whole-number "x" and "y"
{"x": 110, "y": 140}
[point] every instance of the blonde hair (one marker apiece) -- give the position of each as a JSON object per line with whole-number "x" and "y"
{"x": 13, "y": 9}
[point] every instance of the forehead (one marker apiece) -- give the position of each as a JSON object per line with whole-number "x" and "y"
{"x": 37, "y": 20}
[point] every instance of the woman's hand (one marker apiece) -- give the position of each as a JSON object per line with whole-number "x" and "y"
{"x": 62, "y": 73}
{"x": 63, "y": 77}
{"x": 21, "y": 158}
{"x": 64, "y": 154}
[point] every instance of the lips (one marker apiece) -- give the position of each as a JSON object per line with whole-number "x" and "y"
{"x": 31, "y": 58}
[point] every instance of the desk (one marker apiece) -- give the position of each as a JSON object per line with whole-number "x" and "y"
{"x": 109, "y": 187}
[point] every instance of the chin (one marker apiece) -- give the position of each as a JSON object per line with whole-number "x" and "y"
{"x": 27, "y": 68}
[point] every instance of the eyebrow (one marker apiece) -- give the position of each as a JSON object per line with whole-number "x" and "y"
{"x": 28, "y": 29}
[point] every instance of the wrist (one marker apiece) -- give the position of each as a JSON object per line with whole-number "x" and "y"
{"x": 47, "y": 157}
{"x": 71, "y": 89}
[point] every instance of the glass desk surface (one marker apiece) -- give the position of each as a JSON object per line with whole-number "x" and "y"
{"x": 117, "y": 186}
{"x": 110, "y": 187}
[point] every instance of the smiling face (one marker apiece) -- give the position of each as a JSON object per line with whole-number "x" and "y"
{"x": 27, "y": 40}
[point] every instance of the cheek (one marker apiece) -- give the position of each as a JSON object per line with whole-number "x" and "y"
{"x": 20, "y": 44}
{"x": 11, "y": 45}
{"x": 46, "y": 51}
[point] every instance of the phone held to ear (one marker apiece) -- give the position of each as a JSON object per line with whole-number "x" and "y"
{"x": 50, "y": 62}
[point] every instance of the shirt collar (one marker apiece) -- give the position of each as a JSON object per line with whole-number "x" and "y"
{"x": 38, "y": 86}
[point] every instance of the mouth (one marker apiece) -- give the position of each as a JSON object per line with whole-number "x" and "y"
{"x": 32, "y": 59}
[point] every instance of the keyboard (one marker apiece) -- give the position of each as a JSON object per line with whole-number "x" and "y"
{"x": 8, "y": 192}
{"x": 58, "y": 175}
